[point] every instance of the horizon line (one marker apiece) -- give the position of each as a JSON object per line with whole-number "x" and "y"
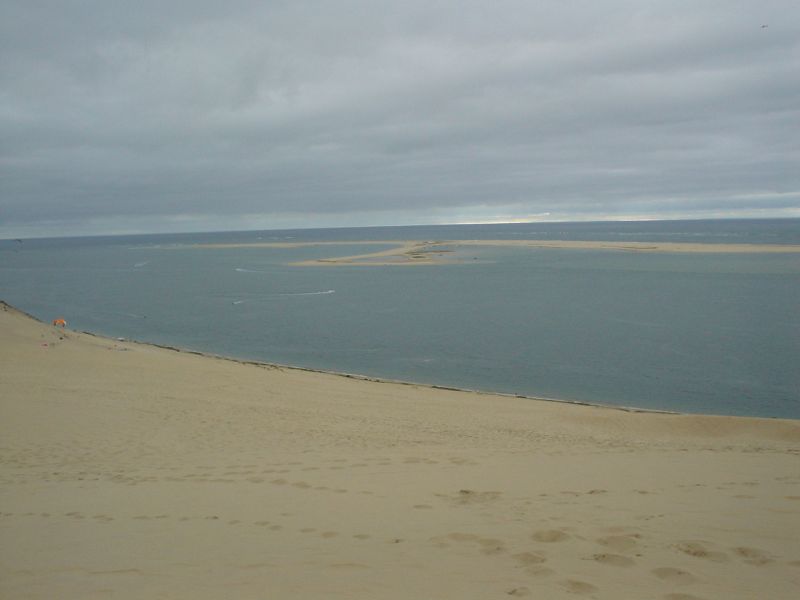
{"x": 449, "y": 224}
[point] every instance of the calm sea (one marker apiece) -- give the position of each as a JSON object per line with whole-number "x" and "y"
{"x": 685, "y": 332}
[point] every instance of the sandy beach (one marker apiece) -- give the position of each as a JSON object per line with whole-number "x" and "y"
{"x": 134, "y": 471}
{"x": 422, "y": 252}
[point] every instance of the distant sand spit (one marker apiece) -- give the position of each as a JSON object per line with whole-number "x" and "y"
{"x": 420, "y": 252}
{"x": 133, "y": 471}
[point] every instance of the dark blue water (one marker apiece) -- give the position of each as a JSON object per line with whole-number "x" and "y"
{"x": 688, "y": 332}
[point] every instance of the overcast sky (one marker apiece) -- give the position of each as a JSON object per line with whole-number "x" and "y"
{"x": 121, "y": 116}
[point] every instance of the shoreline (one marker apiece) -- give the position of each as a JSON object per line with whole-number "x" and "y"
{"x": 422, "y": 252}
{"x": 109, "y": 341}
{"x": 383, "y": 380}
{"x": 386, "y": 380}
{"x": 403, "y": 382}
{"x": 137, "y": 471}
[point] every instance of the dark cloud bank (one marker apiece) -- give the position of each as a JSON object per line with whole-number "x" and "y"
{"x": 154, "y": 116}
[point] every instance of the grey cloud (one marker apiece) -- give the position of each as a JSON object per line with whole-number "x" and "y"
{"x": 114, "y": 110}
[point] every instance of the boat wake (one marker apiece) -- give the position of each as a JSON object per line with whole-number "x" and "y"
{"x": 308, "y": 293}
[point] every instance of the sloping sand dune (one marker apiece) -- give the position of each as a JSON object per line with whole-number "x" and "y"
{"x": 130, "y": 471}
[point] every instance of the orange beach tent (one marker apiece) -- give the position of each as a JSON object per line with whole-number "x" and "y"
{"x": 59, "y": 322}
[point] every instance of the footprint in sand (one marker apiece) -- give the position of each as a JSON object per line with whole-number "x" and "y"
{"x": 699, "y": 550}
{"x": 613, "y": 559}
{"x": 532, "y": 563}
{"x": 467, "y": 497}
{"x": 549, "y": 536}
{"x": 526, "y": 559}
{"x": 487, "y": 545}
{"x": 753, "y": 556}
{"x": 519, "y": 591}
{"x": 491, "y": 546}
{"x": 674, "y": 575}
{"x": 457, "y": 460}
{"x": 578, "y": 587}
{"x": 539, "y": 571}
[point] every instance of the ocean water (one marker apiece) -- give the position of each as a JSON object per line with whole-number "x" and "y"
{"x": 698, "y": 333}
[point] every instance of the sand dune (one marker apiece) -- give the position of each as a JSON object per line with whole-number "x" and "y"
{"x": 131, "y": 471}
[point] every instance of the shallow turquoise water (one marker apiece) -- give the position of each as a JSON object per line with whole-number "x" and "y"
{"x": 688, "y": 332}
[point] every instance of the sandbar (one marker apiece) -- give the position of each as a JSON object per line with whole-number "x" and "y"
{"x": 135, "y": 471}
{"x": 425, "y": 252}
